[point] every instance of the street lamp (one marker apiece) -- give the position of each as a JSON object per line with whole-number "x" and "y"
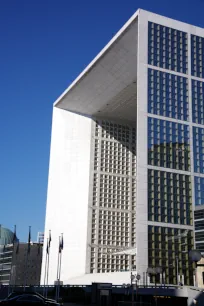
{"x": 134, "y": 278}
{"x": 138, "y": 277}
{"x": 195, "y": 256}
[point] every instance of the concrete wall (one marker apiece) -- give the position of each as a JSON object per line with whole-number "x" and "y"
{"x": 116, "y": 278}
{"x": 67, "y": 196}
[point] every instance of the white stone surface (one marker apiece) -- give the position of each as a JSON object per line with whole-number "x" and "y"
{"x": 67, "y": 197}
{"x": 116, "y": 278}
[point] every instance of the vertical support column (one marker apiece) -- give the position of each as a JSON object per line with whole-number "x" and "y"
{"x": 90, "y": 203}
{"x": 98, "y": 195}
{"x": 191, "y": 130}
{"x": 142, "y": 148}
{"x": 131, "y": 229}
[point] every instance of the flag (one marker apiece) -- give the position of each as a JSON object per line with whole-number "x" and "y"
{"x": 62, "y": 243}
{"x": 17, "y": 248}
{"x": 47, "y": 249}
{"x": 29, "y": 239}
{"x": 50, "y": 239}
{"x": 60, "y": 246}
{"x": 14, "y": 234}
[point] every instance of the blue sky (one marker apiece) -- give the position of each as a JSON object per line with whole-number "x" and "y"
{"x": 44, "y": 45}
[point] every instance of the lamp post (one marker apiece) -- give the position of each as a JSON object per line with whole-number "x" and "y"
{"x": 134, "y": 278}
{"x": 131, "y": 279}
{"x": 177, "y": 271}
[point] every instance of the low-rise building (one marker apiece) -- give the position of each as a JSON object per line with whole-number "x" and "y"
{"x": 40, "y": 237}
{"x": 26, "y": 265}
{"x": 20, "y": 262}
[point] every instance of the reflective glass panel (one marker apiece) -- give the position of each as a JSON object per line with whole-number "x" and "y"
{"x": 168, "y": 95}
{"x": 198, "y": 102}
{"x": 169, "y": 197}
{"x": 197, "y": 56}
{"x": 167, "y": 48}
{"x": 198, "y": 149}
{"x": 199, "y": 190}
{"x": 165, "y": 247}
{"x": 168, "y": 144}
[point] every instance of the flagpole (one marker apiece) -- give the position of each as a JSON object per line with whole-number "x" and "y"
{"x": 60, "y": 263}
{"x": 45, "y": 268}
{"x": 28, "y": 252}
{"x": 56, "y": 295}
{"x": 17, "y": 250}
{"x": 60, "y": 260}
{"x": 48, "y": 263}
{"x": 48, "y": 260}
{"x": 14, "y": 239}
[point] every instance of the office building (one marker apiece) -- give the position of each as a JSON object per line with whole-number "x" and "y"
{"x": 26, "y": 265}
{"x": 127, "y": 154}
{"x": 17, "y": 265}
{"x": 199, "y": 228}
{"x": 6, "y": 253}
{"x": 40, "y": 237}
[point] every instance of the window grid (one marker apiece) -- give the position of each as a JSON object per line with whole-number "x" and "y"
{"x": 114, "y": 192}
{"x": 112, "y": 263}
{"x": 169, "y": 197}
{"x": 198, "y": 149}
{"x": 114, "y": 195}
{"x": 168, "y": 144}
{"x": 199, "y": 192}
{"x": 167, "y": 48}
{"x": 197, "y": 56}
{"x": 198, "y": 214}
{"x": 114, "y": 228}
{"x": 115, "y": 157}
{"x": 168, "y": 95}
{"x": 164, "y": 247}
{"x": 198, "y": 102}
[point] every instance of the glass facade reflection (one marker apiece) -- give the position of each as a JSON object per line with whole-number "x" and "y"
{"x": 170, "y": 192}
{"x": 169, "y": 197}
{"x": 199, "y": 191}
{"x": 164, "y": 248}
{"x": 168, "y": 144}
{"x": 167, "y": 48}
{"x": 198, "y": 149}
{"x": 198, "y": 102}
{"x": 197, "y": 56}
{"x": 168, "y": 95}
